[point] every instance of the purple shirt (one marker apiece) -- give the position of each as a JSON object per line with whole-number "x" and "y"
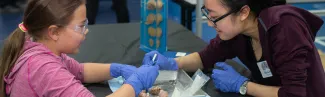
{"x": 287, "y": 37}
{"x": 40, "y": 73}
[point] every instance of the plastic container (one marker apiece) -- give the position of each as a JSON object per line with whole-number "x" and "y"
{"x": 175, "y": 83}
{"x": 153, "y": 34}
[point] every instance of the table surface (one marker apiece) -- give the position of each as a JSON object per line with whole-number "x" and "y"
{"x": 120, "y": 43}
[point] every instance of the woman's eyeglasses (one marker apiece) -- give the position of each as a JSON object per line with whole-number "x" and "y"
{"x": 205, "y": 12}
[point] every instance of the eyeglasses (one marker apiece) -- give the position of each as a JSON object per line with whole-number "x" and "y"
{"x": 205, "y": 12}
{"x": 81, "y": 28}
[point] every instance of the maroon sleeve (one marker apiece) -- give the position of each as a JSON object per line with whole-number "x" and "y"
{"x": 216, "y": 51}
{"x": 290, "y": 42}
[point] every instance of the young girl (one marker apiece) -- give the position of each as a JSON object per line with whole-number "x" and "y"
{"x": 34, "y": 61}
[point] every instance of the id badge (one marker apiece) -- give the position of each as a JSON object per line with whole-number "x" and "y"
{"x": 264, "y": 68}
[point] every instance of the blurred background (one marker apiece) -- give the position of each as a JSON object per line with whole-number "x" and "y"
{"x": 103, "y": 12}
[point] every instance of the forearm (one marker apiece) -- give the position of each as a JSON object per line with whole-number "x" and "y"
{"x": 96, "y": 72}
{"x": 125, "y": 90}
{"x": 191, "y": 62}
{"x": 258, "y": 90}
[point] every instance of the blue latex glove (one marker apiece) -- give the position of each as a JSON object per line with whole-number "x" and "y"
{"x": 143, "y": 78}
{"x": 228, "y": 79}
{"x": 163, "y": 62}
{"x": 123, "y": 70}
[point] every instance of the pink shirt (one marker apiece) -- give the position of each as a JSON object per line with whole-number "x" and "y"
{"x": 40, "y": 73}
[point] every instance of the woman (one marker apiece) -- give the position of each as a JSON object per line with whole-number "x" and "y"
{"x": 34, "y": 61}
{"x": 274, "y": 40}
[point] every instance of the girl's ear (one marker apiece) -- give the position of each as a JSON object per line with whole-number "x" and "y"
{"x": 53, "y": 32}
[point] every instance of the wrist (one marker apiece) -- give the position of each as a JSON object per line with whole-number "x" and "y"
{"x": 115, "y": 70}
{"x": 243, "y": 87}
{"x": 173, "y": 62}
{"x": 178, "y": 62}
{"x": 241, "y": 83}
{"x": 136, "y": 84}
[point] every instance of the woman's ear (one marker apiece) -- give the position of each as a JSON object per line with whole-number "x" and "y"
{"x": 53, "y": 32}
{"x": 244, "y": 12}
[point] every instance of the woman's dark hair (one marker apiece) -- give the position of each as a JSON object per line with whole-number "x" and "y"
{"x": 38, "y": 16}
{"x": 256, "y": 6}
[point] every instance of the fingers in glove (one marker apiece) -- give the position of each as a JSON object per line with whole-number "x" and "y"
{"x": 146, "y": 59}
{"x": 152, "y": 53}
{"x": 149, "y": 56}
{"x": 223, "y": 65}
{"x": 149, "y": 63}
{"x": 218, "y": 72}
